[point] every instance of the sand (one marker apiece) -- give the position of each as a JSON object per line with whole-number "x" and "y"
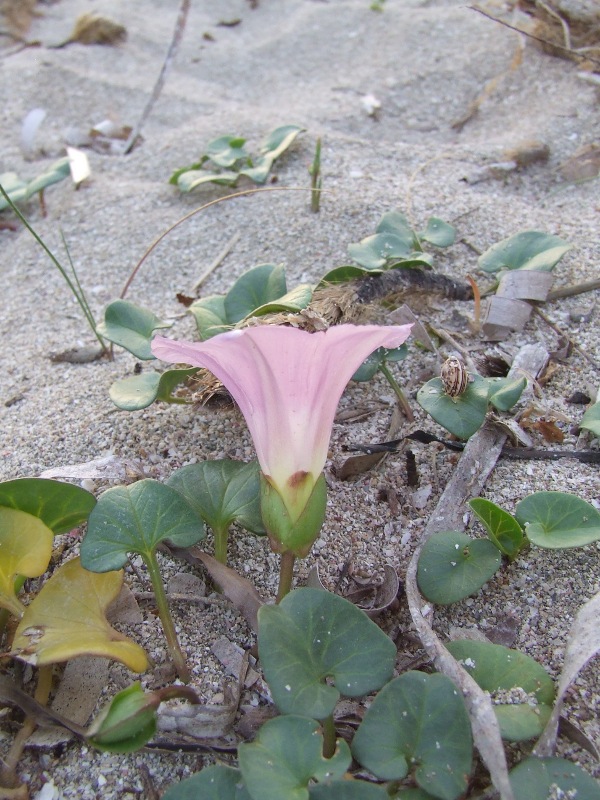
{"x": 420, "y": 64}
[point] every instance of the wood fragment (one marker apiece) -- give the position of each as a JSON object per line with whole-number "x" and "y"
{"x": 476, "y": 464}
{"x": 575, "y": 289}
{"x": 169, "y": 58}
{"x": 217, "y": 261}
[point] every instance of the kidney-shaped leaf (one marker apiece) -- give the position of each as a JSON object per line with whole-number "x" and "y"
{"x": 505, "y": 392}
{"x": 502, "y": 528}
{"x": 396, "y": 223}
{"x": 462, "y": 415}
{"x": 557, "y": 519}
{"x": 226, "y": 150}
{"x": 60, "y": 506}
{"x": 130, "y": 326}
{"x": 418, "y": 719}
{"x": 140, "y": 391}
{"x": 67, "y": 619}
{"x": 25, "y": 549}
{"x": 525, "y": 250}
{"x": 452, "y": 566}
{"x": 286, "y": 755}
{"x": 294, "y": 300}
{"x": 222, "y": 492}
{"x": 212, "y": 783}
{"x": 136, "y": 519}
{"x": 543, "y": 778}
{"x": 375, "y": 251}
{"x": 313, "y": 635}
{"x": 210, "y": 316}
{"x": 521, "y": 689}
{"x": 438, "y": 233}
{"x": 190, "y": 180}
{"x": 259, "y": 285}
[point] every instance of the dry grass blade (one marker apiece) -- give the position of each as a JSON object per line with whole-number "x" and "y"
{"x": 584, "y": 644}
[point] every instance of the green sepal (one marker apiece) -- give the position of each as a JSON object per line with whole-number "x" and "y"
{"x": 286, "y": 533}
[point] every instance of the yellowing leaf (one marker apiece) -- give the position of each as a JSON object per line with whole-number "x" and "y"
{"x": 25, "y": 549}
{"x": 67, "y": 619}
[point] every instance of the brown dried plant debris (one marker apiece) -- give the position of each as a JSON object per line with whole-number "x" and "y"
{"x": 16, "y": 15}
{"x": 560, "y": 31}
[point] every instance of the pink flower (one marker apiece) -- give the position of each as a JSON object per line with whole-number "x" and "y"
{"x": 287, "y": 384}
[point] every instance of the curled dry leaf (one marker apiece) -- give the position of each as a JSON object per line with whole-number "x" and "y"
{"x": 240, "y": 591}
{"x": 372, "y": 597}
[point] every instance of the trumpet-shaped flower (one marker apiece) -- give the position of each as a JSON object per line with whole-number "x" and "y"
{"x": 287, "y": 384}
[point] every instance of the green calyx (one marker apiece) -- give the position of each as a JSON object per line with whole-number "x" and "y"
{"x": 295, "y": 534}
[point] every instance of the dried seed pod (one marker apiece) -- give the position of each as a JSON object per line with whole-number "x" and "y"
{"x": 455, "y": 376}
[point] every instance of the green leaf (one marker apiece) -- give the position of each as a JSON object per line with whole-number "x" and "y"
{"x": 54, "y": 174}
{"x": 557, "y": 519}
{"x": 274, "y": 145}
{"x": 14, "y": 187}
{"x": 544, "y": 778}
{"x": 502, "y": 528}
{"x": 212, "y": 783}
{"x": 136, "y": 519}
{"x": 591, "y": 419}
{"x": 190, "y": 180}
{"x": 438, "y": 233}
{"x": 259, "y": 285}
{"x": 505, "y": 392}
{"x": 521, "y": 689}
{"x": 375, "y": 251}
{"x": 347, "y": 790}
{"x": 285, "y": 756}
{"x": 222, "y": 492}
{"x": 396, "y": 223}
{"x": 279, "y": 140}
{"x": 174, "y": 179}
{"x": 313, "y": 635}
{"x": 25, "y": 549}
{"x": 462, "y": 415}
{"x": 294, "y": 300}
{"x": 452, "y": 566}
{"x": 418, "y": 719}
{"x": 60, "y": 506}
{"x": 259, "y": 172}
{"x": 127, "y": 724}
{"x": 210, "y": 316}
{"x": 130, "y": 326}
{"x": 140, "y": 391}
{"x": 526, "y": 250}
{"x": 343, "y": 274}
{"x": 227, "y": 150}
{"x": 372, "y": 363}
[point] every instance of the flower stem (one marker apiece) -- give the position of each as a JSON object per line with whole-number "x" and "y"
{"x": 221, "y": 537}
{"x": 286, "y": 574}
{"x": 329, "y": 740}
{"x": 398, "y": 392}
{"x": 164, "y": 612}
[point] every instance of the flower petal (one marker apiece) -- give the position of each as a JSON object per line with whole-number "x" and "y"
{"x": 287, "y": 383}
